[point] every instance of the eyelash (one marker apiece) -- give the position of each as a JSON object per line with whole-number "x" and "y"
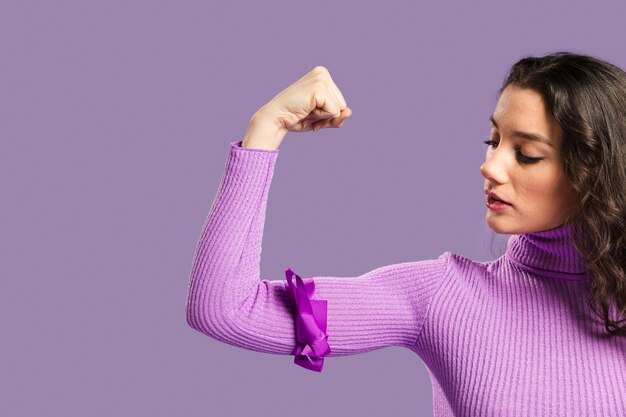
{"x": 523, "y": 158}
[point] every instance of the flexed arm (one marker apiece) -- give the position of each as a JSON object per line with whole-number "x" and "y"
{"x": 310, "y": 317}
{"x": 228, "y": 300}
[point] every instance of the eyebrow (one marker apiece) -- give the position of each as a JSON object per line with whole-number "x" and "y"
{"x": 524, "y": 135}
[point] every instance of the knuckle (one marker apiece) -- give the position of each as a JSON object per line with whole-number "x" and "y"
{"x": 320, "y": 69}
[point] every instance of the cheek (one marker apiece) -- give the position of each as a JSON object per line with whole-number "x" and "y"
{"x": 544, "y": 189}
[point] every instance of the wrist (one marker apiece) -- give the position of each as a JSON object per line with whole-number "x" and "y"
{"x": 264, "y": 132}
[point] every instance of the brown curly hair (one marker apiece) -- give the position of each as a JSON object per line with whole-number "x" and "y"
{"x": 587, "y": 97}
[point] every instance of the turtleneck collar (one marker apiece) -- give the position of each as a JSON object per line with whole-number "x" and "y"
{"x": 548, "y": 253}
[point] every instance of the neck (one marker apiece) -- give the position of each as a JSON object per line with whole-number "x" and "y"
{"x": 549, "y": 253}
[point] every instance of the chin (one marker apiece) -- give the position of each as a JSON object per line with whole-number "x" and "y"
{"x": 502, "y": 226}
{"x": 505, "y": 226}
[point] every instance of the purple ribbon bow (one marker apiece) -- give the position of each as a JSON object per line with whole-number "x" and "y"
{"x": 311, "y": 334}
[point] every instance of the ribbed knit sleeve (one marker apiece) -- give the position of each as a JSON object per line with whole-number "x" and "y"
{"x": 228, "y": 300}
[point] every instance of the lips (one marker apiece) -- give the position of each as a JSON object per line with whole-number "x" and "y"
{"x": 495, "y": 196}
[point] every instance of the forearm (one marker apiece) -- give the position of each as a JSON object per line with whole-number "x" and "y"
{"x": 227, "y": 259}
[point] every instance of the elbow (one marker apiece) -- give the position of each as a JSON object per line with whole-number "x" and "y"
{"x": 195, "y": 316}
{"x": 197, "y": 309}
{"x": 209, "y": 309}
{"x": 206, "y": 320}
{"x": 190, "y": 316}
{"x": 199, "y": 318}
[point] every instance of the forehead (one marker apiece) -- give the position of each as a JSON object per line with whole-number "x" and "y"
{"x": 524, "y": 109}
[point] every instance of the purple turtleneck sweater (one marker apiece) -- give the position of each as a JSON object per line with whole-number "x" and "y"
{"x": 509, "y": 337}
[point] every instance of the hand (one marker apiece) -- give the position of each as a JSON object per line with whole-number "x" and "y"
{"x": 313, "y": 102}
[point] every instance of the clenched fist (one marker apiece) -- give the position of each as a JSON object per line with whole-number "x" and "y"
{"x": 313, "y": 102}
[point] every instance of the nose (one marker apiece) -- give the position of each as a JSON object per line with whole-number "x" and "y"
{"x": 494, "y": 167}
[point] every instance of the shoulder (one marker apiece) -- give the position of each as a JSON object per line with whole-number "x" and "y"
{"x": 448, "y": 265}
{"x": 462, "y": 265}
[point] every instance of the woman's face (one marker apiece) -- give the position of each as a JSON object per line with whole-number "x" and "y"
{"x": 538, "y": 192}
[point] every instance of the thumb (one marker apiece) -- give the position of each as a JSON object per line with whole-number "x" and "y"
{"x": 324, "y": 113}
{"x": 324, "y": 107}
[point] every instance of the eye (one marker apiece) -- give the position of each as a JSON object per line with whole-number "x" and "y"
{"x": 523, "y": 158}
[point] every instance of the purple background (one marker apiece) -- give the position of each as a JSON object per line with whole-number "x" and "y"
{"x": 116, "y": 118}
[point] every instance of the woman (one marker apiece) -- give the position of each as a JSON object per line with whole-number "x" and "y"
{"x": 517, "y": 333}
